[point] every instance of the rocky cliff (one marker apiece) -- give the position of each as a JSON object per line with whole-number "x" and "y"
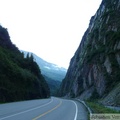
{"x": 94, "y": 70}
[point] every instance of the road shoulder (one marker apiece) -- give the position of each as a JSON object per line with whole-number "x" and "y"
{"x": 83, "y": 113}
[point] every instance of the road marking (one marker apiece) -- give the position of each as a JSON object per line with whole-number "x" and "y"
{"x": 48, "y": 111}
{"x": 89, "y": 110}
{"x": 27, "y": 110}
{"x": 75, "y": 118}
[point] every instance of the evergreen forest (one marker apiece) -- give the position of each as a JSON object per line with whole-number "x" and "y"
{"x": 20, "y": 77}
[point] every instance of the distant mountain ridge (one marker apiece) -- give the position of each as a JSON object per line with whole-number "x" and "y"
{"x": 52, "y": 73}
{"x": 48, "y": 69}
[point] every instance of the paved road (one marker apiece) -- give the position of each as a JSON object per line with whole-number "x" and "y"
{"x": 44, "y": 109}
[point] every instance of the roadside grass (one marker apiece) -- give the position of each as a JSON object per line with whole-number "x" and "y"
{"x": 2, "y": 102}
{"x": 98, "y": 108}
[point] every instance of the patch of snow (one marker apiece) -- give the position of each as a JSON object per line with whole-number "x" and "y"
{"x": 47, "y": 67}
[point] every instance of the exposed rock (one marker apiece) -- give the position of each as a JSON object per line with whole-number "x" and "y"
{"x": 118, "y": 47}
{"x": 118, "y": 58}
{"x": 113, "y": 98}
{"x": 86, "y": 94}
{"x": 95, "y": 67}
{"x": 107, "y": 64}
{"x": 99, "y": 79}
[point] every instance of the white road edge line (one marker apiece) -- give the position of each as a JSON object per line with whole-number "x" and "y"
{"x": 27, "y": 110}
{"x": 89, "y": 110}
{"x": 75, "y": 118}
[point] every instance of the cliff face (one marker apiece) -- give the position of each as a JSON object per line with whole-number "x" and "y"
{"x": 95, "y": 68}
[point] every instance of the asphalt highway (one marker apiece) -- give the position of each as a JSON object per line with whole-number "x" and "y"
{"x": 43, "y": 109}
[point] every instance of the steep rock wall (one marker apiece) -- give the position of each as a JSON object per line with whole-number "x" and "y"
{"x": 95, "y": 68}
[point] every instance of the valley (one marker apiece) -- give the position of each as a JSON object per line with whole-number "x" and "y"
{"x": 90, "y": 85}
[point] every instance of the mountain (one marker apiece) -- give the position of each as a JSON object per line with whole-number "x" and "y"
{"x": 48, "y": 69}
{"x": 94, "y": 71}
{"x": 20, "y": 78}
{"x": 54, "y": 85}
{"x": 52, "y": 73}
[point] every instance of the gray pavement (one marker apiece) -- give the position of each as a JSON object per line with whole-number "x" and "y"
{"x": 44, "y": 109}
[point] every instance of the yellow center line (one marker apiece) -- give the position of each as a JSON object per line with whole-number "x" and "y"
{"x": 48, "y": 111}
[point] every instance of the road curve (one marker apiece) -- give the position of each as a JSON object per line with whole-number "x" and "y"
{"x": 43, "y": 109}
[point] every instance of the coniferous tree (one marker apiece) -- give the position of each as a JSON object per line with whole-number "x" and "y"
{"x": 20, "y": 78}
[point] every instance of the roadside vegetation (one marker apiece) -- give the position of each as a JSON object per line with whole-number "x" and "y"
{"x": 98, "y": 108}
{"x": 20, "y": 78}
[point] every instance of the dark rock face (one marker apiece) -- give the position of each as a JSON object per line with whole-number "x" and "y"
{"x": 95, "y": 68}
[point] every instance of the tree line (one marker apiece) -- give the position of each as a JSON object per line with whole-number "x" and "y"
{"x": 20, "y": 77}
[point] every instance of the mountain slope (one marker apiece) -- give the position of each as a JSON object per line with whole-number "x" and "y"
{"x": 54, "y": 85}
{"x": 20, "y": 78}
{"x": 94, "y": 70}
{"x": 48, "y": 69}
{"x": 52, "y": 73}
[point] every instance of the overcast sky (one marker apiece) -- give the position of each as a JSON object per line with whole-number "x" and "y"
{"x": 52, "y": 29}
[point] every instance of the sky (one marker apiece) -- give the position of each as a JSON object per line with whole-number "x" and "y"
{"x": 51, "y": 29}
